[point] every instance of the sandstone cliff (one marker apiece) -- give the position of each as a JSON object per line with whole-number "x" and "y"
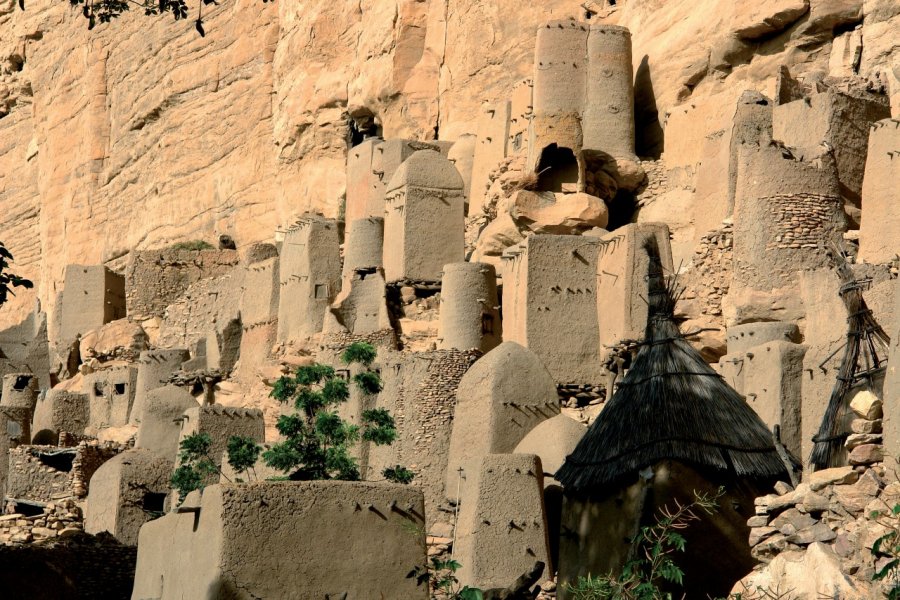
{"x": 141, "y": 133}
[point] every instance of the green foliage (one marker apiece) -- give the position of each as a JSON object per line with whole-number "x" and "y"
{"x": 368, "y": 382}
{"x": 378, "y": 427}
{"x": 242, "y": 453}
{"x": 651, "y": 563}
{"x": 398, "y": 474}
{"x": 185, "y": 480}
{"x": 359, "y": 352}
{"x": 193, "y": 245}
{"x": 441, "y": 577}
{"x": 8, "y": 281}
{"x": 887, "y": 548}
{"x": 317, "y": 441}
{"x": 196, "y": 465}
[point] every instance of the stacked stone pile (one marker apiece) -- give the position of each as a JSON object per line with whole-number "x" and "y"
{"x": 60, "y": 519}
{"x": 709, "y": 281}
{"x": 656, "y": 184}
{"x": 864, "y": 442}
{"x": 801, "y": 219}
{"x": 833, "y": 507}
{"x": 573, "y": 395}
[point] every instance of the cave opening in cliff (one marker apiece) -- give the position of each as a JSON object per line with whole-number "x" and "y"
{"x": 557, "y": 170}
{"x": 621, "y": 209}
{"x": 362, "y": 124}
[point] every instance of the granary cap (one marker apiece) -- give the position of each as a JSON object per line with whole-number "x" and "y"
{"x": 426, "y": 169}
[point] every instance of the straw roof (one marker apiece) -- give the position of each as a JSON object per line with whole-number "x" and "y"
{"x": 671, "y": 405}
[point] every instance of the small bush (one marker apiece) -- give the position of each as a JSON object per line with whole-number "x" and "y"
{"x": 192, "y": 245}
{"x": 652, "y": 564}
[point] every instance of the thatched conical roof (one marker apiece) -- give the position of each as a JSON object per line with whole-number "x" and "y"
{"x": 671, "y": 405}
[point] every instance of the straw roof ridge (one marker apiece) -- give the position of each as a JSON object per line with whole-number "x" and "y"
{"x": 671, "y": 405}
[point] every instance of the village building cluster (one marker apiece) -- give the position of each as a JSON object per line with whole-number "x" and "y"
{"x": 537, "y": 344}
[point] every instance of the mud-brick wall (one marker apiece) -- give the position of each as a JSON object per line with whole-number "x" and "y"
{"x": 35, "y": 474}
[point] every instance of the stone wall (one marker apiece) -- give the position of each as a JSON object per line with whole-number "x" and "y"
{"x": 420, "y": 391}
{"x": 58, "y": 519}
{"x": 45, "y": 473}
{"x": 800, "y": 220}
{"x": 75, "y": 566}
{"x": 707, "y": 283}
{"x": 156, "y": 278}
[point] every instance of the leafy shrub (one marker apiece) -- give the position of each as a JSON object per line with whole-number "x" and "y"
{"x": 888, "y": 547}
{"x": 317, "y": 440}
{"x": 195, "y": 466}
{"x": 8, "y": 281}
{"x": 398, "y": 474}
{"x": 193, "y": 245}
{"x": 440, "y": 577}
{"x": 651, "y": 563}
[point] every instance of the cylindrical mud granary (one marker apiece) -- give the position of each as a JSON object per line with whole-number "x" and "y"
{"x": 470, "y": 313}
{"x": 560, "y": 71}
{"x": 559, "y": 68}
{"x": 154, "y": 369}
{"x": 19, "y": 390}
{"x": 364, "y": 245}
{"x": 608, "y": 115}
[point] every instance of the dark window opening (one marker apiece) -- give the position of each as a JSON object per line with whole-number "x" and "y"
{"x": 321, "y": 291}
{"x": 154, "y": 502}
{"x": 557, "y": 170}
{"x": 621, "y": 210}
{"x": 60, "y": 461}
{"x": 361, "y": 125}
{"x": 343, "y": 374}
{"x": 22, "y": 382}
{"x": 98, "y": 388}
{"x": 363, "y": 271}
{"x": 45, "y": 437}
{"x": 487, "y": 324}
{"x": 28, "y": 509}
{"x": 119, "y": 389}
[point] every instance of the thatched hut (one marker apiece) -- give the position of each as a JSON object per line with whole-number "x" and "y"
{"x": 672, "y": 427}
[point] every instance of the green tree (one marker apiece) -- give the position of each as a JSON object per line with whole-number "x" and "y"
{"x": 317, "y": 440}
{"x": 886, "y": 549}
{"x": 195, "y": 465}
{"x": 104, "y": 11}
{"x": 8, "y": 280}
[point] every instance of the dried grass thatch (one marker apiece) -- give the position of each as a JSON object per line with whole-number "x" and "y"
{"x": 671, "y": 405}
{"x": 865, "y": 356}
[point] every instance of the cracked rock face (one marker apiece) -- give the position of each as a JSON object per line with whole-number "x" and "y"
{"x": 140, "y": 133}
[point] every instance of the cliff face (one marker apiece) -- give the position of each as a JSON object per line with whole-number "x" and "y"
{"x": 141, "y": 133}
